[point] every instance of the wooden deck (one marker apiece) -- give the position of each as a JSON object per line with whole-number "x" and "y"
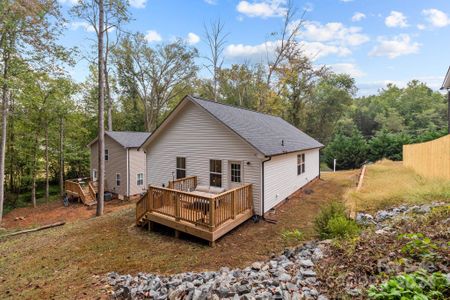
{"x": 84, "y": 191}
{"x": 207, "y": 217}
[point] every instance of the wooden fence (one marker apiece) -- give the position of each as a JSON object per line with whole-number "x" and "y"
{"x": 429, "y": 159}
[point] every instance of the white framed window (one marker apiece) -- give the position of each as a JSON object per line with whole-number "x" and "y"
{"x": 235, "y": 172}
{"x": 215, "y": 172}
{"x": 140, "y": 179}
{"x": 181, "y": 167}
{"x": 300, "y": 164}
{"x": 106, "y": 154}
{"x": 94, "y": 175}
{"x": 117, "y": 179}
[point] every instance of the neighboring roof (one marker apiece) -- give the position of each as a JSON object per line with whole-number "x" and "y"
{"x": 446, "y": 84}
{"x": 128, "y": 139}
{"x": 268, "y": 134}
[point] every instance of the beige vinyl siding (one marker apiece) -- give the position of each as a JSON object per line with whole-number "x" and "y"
{"x": 115, "y": 164}
{"x": 281, "y": 179}
{"x": 196, "y": 135}
{"x": 137, "y": 165}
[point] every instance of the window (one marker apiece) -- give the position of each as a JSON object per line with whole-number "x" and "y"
{"x": 140, "y": 179}
{"x": 235, "y": 172}
{"x": 181, "y": 167}
{"x": 106, "y": 154}
{"x": 215, "y": 172}
{"x": 94, "y": 175}
{"x": 117, "y": 179}
{"x": 300, "y": 164}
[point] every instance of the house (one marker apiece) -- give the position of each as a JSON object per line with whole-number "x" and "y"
{"x": 223, "y": 148}
{"x": 125, "y": 172}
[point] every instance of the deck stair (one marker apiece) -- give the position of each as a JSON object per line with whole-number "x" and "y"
{"x": 85, "y": 192}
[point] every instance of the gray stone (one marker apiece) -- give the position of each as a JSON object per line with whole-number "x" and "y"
{"x": 306, "y": 263}
{"x": 257, "y": 266}
{"x": 284, "y": 277}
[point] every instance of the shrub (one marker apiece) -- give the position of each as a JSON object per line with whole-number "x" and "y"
{"x": 418, "y": 285}
{"x": 387, "y": 145}
{"x": 350, "y": 151}
{"x": 342, "y": 227}
{"x": 334, "y": 211}
{"x": 418, "y": 246}
{"x": 292, "y": 235}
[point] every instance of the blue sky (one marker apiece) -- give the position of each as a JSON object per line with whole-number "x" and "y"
{"x": 374, "y": 41}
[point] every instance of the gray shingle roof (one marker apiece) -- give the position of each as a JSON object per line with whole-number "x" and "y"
{"x": 270, "y": 135}
{"x": 129, "y": 139}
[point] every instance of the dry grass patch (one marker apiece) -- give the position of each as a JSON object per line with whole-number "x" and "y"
{"x": 387, "y": 183}
{"x": 67, "y": 262}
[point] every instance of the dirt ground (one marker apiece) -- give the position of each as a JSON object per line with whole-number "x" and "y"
{"x": 69, "y": 262}
{"x": 27, "y": 217}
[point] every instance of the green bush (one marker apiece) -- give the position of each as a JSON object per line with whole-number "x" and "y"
{"x": 387, "y": 145}
{"x": 419, "y": 285}
{"x": 418, "y": 246}
{"x": 333, "y": 221}
{"x": 350, "y": 151}
{"x": 342, "y": 227}
{"x": 292, "y": 235}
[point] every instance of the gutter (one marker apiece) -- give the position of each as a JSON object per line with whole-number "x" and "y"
{"x": 262, "y": 185}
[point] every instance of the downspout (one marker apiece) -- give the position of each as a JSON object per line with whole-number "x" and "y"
{"x": 262, "y": 185}
{"x": 128, "y": 172}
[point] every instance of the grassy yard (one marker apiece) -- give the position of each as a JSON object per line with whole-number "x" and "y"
{"x": 387, "y": 183}
{"x": 67, "y": 262}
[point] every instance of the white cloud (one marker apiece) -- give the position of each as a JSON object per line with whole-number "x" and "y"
{"x": 68, "y": 2}
{"x": 436, "y": 18}
{"x": 358, "y": 16}
{"x": 83, "y": 25}
{"x": 334, "y": 32}
{"x": 138, "y": 3}
{"x": 316, "y": 50}
{"x": 396, "y": 19}
{"x": 259, "y": 52}
{"x": 153, "y": 36}
{"x": 348, "y": 68}
{"x": 192, "y": 38}
{"x": 421, "y": 26}
{"x": 263, "y": 9}
{"x": 211, "y": 2}
{"x": 395, "y": 47}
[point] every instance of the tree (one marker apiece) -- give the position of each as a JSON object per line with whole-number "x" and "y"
{"x": 387, "y": 145}
{"x": 330, "y": 99}
{"x": 155, "y": 76}
{"x": 350, "y": 151}
{"x": 216, "y": 39}
{"x": 28, "y": 30}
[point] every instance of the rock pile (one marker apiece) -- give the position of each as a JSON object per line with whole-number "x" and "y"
{"x": 383, "y": 215}
{"x": 288, "y": 276}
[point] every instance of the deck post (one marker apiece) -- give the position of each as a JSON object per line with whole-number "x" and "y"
{"x": 212, "y": 213}
{"x": 212, "y": 244}
{"x": 234, "y": 204}
{"x": 177, "y": 234}
{"x": 177, "y": 207}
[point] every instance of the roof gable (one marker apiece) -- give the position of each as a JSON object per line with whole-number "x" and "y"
{"x": 127, "y": 139}
{"x": 268, "y": 134}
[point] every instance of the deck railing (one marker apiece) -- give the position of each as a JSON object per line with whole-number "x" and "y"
{"x": 142, "y": 207}
{"x": 185, "y": 184}
{"x": 208, "y": 211}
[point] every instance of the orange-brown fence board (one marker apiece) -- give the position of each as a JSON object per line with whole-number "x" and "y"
{"x": 429, "y": 159}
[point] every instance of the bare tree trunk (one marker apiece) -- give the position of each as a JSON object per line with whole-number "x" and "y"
{"x": 47, "y": 184}
{"x": 3, "y": 133}
{"x": 108, "y": 90}
{"x": 61, "y": 156}
{"x": 33, "y": 171}
{"x": 11, "y": 154}
{"x": 215, "y": 38}
{"x": 101, "y": 109}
